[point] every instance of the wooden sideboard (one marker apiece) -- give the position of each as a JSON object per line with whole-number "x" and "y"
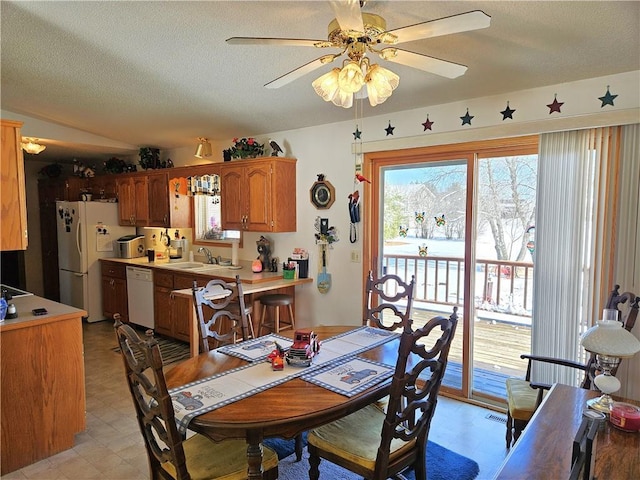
{"x": 42, "y": 400}
{"x": 544, "y": 449}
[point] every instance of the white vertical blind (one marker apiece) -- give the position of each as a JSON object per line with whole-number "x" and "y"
{"x": 574, "y": 230}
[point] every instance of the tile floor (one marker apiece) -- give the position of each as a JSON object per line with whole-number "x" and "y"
{"x": 111, "y": 448}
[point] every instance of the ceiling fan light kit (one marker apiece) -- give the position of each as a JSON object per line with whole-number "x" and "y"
{"x": 358, "y": 34}
{"x": 31, "y": 145}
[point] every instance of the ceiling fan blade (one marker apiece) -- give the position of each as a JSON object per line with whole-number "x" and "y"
{"x": 424, "y": 62}
{"x": 463, "y": 22}
{"x": 293, "y": 42}
{"x": 300, "y": 71}
{"x": 348, "y": 14}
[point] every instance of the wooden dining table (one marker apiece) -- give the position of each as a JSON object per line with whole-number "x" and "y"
{"x": 285, "y": 410}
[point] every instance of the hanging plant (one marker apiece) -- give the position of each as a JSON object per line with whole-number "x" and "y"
{"x": 52, "y": 171}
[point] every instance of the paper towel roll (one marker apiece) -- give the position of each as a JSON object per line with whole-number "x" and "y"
{"x": 234, "y": 253}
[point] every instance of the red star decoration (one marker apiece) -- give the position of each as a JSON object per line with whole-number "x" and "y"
{"x": 427, "y": 124}
{"x": 555, "y": 106}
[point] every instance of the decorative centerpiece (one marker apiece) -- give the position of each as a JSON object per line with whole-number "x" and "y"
{"x": 245, "y": 148}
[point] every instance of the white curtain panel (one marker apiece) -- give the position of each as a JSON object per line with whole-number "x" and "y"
{"x": 573, "y": 233}
{"x": 627, "y": 251}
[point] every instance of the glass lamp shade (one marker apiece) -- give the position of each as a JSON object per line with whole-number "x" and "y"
{"x": 31, "y": 145}
{"x": 608, "y": 338}
{"x": 343, "y": 99}
{"x": 203, "y": 149}
{"x": 380, "y": 84}
{"x": 327, "y": 85}
{"x": 351, "y": 77}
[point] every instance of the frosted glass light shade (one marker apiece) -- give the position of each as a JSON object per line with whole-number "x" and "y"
{"x": 380, "y": 84}
{"x": 31, "y": 145}
{"x": 327, "y": 85}
{"x": 610, "y": 339}
{"x": 343, "y": 99}
{"x": 351, "y": 77}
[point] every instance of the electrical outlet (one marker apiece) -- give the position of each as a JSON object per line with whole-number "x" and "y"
{"x": 355, "y": 256}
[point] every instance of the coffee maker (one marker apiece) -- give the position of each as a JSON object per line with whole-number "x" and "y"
{"x": 179, "y": 250}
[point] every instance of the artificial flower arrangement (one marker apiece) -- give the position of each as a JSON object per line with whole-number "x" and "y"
{"x": 328, "y": 237}
{"x": 245, "y": 148}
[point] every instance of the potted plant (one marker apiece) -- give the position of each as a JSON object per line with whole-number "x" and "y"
{"x": 244, "y": 148}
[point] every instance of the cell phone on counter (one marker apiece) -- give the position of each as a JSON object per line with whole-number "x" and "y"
{"x": 39, "y": 311}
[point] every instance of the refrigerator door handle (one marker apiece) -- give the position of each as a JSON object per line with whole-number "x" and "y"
{"x": 78, "y": 239}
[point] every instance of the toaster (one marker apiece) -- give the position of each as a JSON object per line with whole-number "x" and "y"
{"x": 130, "y": 246}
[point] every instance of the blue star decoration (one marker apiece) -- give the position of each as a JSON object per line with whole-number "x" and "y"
{"x": 389, "y": 129}
{"x": 357, "y": 134}
{"x": 507, "y": 113}
{"x": 607, "y": 99}
{"x": 427, "y": 124}
{"x": 466, "y": 120}
{"x": 555, "y": 106}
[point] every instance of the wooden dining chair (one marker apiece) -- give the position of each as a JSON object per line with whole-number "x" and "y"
{"x": 524, "y": 396}
{"x": 377, "y": 444}
{"x": 229, "y": 320}
{"x": 170, "y": 456}
{"x": 383, "y": 295}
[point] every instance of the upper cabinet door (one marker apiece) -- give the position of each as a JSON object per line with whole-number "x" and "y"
{"x": 12, "y": 188}
{"x": 158, "y": 199}
{"x": 259, "y": 195}
{"x": 232, "y": 198}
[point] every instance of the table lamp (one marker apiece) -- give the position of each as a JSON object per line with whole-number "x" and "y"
{"x": 610, "y": 343}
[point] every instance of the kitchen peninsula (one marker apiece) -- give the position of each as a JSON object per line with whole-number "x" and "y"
{"x": 42, "y": 401}
{"x": 172, "y": 284}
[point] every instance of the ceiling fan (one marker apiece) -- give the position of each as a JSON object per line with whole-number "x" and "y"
{"x": 358, "y": 34}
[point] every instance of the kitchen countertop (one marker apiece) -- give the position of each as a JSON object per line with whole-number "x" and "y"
{"x": 26, "y": 319}
{"x": 270, "y": 280}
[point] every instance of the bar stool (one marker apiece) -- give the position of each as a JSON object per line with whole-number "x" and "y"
{"x": 275, "y": 300}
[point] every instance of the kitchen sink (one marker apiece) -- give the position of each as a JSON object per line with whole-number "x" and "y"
{"x": 184, "y": 265}
{"x": 211, "y": 268}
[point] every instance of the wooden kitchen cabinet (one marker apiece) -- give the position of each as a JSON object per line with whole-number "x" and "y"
{"x": 173, "y": 314}
{"x": 146, "y": 200}
{"x": 259, "y": 195}
{"x": 133, "y": 200}
{"x": 13, "y": 235}
{"x": 114, "y": 290}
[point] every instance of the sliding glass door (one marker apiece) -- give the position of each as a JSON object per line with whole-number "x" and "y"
{"x": 460, "y": 219}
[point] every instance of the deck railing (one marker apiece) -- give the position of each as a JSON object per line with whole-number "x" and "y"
{"x": 500, "y": 286}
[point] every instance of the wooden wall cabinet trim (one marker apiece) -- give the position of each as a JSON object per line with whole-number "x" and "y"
{"x": 259, "y": 195}
{"x": 14, "y": 234}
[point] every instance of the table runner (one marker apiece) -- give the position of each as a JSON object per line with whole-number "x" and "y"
{"x": 211, "y": 393}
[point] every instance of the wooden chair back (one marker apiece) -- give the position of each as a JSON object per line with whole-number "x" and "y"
{"x": 227, "y": 321}
{"x": 381, "y": 307}
{"x": 154, "y": 410}
{"x": 414, "y": 391}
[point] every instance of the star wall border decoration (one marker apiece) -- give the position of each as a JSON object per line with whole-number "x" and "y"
{"x": 607, "y": 99}
{"x": 507, "y": 112}
{"x": 555, "y": 105}
{"x": 389, "y": 129}
{"x": 427, "y": 124}
{"x": 466, "y": 119}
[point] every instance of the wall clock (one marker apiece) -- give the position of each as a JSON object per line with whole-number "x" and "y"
{"x": 322, "y": 193}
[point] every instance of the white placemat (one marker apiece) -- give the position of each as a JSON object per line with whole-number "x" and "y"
{"x": 349, "y": 376}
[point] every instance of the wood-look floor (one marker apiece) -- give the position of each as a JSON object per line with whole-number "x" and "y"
{"x": 111, "y": 448}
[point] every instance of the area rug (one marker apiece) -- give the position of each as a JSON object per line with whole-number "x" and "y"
{"x": 172, "y": 351}
{"x": 442, "y": 464}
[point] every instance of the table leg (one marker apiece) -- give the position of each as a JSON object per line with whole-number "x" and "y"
{"x": 254, "y": 455}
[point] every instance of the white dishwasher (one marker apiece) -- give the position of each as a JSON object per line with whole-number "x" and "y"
{"x": 140, "y": 296}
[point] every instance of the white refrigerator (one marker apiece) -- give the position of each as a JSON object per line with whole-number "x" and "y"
{"x": 86, "y": 233}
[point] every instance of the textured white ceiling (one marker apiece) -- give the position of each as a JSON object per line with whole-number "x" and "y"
{"x": 160, "y": 73}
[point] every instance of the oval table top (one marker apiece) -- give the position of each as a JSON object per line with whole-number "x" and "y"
{"x": 284, "y": 410}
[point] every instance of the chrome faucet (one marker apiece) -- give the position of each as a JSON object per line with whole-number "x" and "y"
{"x": 210, "y": 258}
